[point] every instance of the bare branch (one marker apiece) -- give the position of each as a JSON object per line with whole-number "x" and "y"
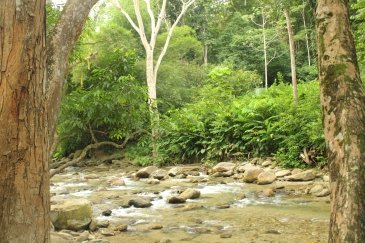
{"x": 161, "y": 16}
{"x": 142, "y": 32}
{"x": 130, "y": 20}
{"x": 184, "y": 8}
{"x": 152, "y": 16}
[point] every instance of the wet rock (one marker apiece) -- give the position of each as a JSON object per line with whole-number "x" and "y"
{"x": 266, "y": 177}
{"x": 193, "y": 173}
{"x": 73, "y": 214}
{"x": 102, "y": 223}
{"x": 139, "y": 202}
{"x": 153, "y": 181}
{"x": 326, "y": 178}
{"x": 296, "y": 171}
{"x": 282, "y": 173}
{"x": 60, "y": 238}
{"x": 222, "y": 206}
{"x": 159, "y": 174}
{"x": 268, "y": 192}
{"x": 164, "y": 241}
{"x": 202, "y": 230}
{"x": 117, "y": 182}
{"x": 154, "y": 226}
{"x": 121, "y": 227}
{"x": 266, "y": 163}
{"x": 190, "y": 194}
{"x": 302, "y": 176}
{"x": 107, "y": 232}
{"x": 83, "y": 237}
{"x": 191, "y": 207}
{"x": 275, "y": 232}
{"x": 224, "y": 167}
{"x": 325, "y": 192}
{"x": 175, "y": 171}
{"x": 98, "y": 241}
{"x": 181, "y": 176}
{"x": 237, "y": 176}
{"x": 175, "y": 200}
{"x": 146, "y": 172}
{"x": 316, "y": 189}
{"x": 107, "y": 212}
{"x": 225, "y": 236}
{"x": 251, "y": 173}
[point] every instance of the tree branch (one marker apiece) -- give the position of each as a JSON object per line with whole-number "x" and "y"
{"x": 130, "y": 20}
{"x": 94, "y": 146}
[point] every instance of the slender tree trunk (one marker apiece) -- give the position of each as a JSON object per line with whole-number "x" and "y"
{"x": 152, "y": 103}
{"x": 343, "y": 105}
{"x": 306, "y": 37}
{"x": 292, "y": 57}
{"x": 24, "y": 178}
{"x": 205, "y": 54}
{"x": 265, "y": 47}
{"x": 67, "y": 32}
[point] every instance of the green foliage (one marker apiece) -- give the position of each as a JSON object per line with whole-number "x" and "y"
{"x": 110, "y": 102}
{"x": 250, "y": 125}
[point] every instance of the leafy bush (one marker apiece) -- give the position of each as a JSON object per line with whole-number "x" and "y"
{"x": 262, "y": 124}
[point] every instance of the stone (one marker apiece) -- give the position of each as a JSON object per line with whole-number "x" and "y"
{"x": 296, "y": 171}
{"x": 191, "y": 207}
{"x": 307, "y": 175}
{"x": 190, "y": 194}
{"x": 175, "y": 200}
{"x": 175, "y": 171}
{"x": 84, "y": 236}
{"x": 107, "y": 232}
{"x": 224, "y": 167}
{"x": 154, "y": 226}
{"x": 326, "y": 178}
{"x": 153, "y": 181}
{"x": 266, "y": 163}
{"x": 282, "y": 173}
{"x": 266, "y": 177}
{"x": 316, "y": 189}
{"x": 107, "y": 212}
{"x": 121, "y": 227}
{"x": 60, "y": 238}
{"x": 159, "y": 174}
{"x": 274, "y": 232}
{"x": 222, "y": 206}
{"x": 146, "y": 172}
{"x": 140, "y": 202}
{"x": 73, "y": 214}
{"x": 102, "y": 223}
{"x": 324, "y": 193}
{"x": 251, "y": 174}
{"x": 268, "y": 192}
{"x": 226, "y": 236}
{"x": 117, "y": 182}
{"x": 181, "y": 176}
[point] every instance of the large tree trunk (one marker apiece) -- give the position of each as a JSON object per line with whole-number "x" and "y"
{"x": 67, "y": 32}
{"x": 343, "y": 105}
{"x": 24, "y": 178}
{"x": 292, "y": 57}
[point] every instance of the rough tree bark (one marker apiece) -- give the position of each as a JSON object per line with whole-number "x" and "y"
{"x": 24, "y": 178}
{"x": 343, "y": 105}
{"x": 67, "y": 32}
{"x": 292, "y": 56}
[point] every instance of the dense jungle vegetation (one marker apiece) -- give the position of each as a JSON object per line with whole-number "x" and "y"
{"x": 217, "y": 97}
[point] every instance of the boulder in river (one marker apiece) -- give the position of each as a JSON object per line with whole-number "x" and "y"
{"x": 224, "y": 167}
{"x": 307, "y": 175}
{"x": 175, "y": 199}
{"x": 282, "y": 173}
{"x": 159, "y": 174}
{"x": 139, "y": 202}
{"x": 251, "y": 173}
{"x": 190, "y": 194}
{"x": 176, "y": 171}
{"x": 73, "y": 214}
{"x": 266, "y": 177}
{"x": 146, "y": 172}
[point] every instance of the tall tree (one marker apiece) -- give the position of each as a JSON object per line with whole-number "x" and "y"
{"x": 343, "y": 105}
{"x": 292, "y": 55}
{"x": 66, "y": 34}
{"x": 24, "y": 178}
{"x": 153, "y": 65}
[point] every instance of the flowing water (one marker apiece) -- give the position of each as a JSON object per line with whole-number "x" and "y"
{"x": 227, "y": 211}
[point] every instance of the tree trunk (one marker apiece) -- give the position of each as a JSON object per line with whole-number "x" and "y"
{"x": 343, "y": 105}
{"x": 306, "y": 36}
{"x": 265, "y": 47}
{"x": 292, "y": 57}
{"x": 152, "y": 103}
{"x": 24, "y": 178}
{"x": 67, "y": 32}
{"x": 205, "y": 54}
